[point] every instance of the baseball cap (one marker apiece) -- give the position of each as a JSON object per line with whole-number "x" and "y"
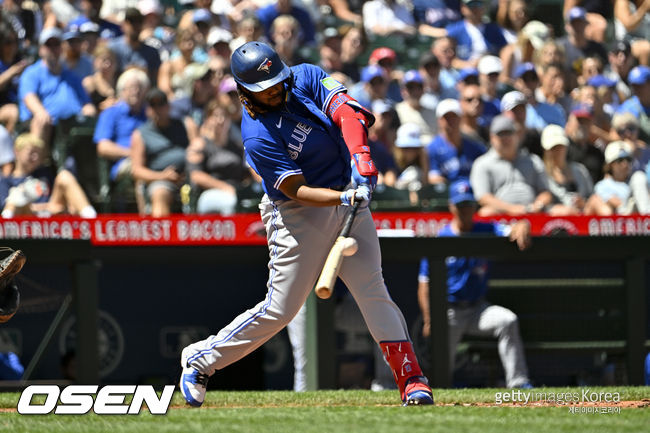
{"x": 217, "y": 35}
{"x": 448, "y": 106}
{"x": 382, "y": 53}
{"x": 201, "y": 16}
{"x": 147, "y": 7}
{"x": 620, "y": 46}
{"x": 490, "y": 65}
{"x": 639, "y": 75}
{"x": 601, "y": 80}
{"x": 156, "y": 97}
{"x": 511, "y": 99}
{"x": 370, "y": 72}
{"x": 467, "y": 73}
{"x": 554, "y": 135}
{"x": 409, "y": 135}
{"x": 461, "y": 191}
{"x": 71, "y": 34}
{"x": 227, "y": 85}
{"x": 331, "y": 32}
{"x": 192, "y": 73}
{"x": 537, "y": 33}
{"x": 380, "y": 106}
{"x": 525, "y": 68}
{"x": 576, "y": 13}
{"x": 617, "y": 150}
{"x": 583, "y": 110}
{"x": 471, "y": 3}
{"x": 49, "y": 33}
{"x": 429, "y": 59}
{"x": 412, "y": 76}
{"x": 502, "y": 123}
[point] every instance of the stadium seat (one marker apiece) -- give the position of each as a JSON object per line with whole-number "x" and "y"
{"x": 434, "y": 198}
{"x": 386, "y": 198}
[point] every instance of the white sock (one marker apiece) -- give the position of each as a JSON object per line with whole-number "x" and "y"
{"x": 88, "y": 212}
{"x": 7, "y": 213}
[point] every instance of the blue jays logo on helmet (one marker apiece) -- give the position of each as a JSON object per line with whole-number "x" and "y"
{"x": 256, "y": 67}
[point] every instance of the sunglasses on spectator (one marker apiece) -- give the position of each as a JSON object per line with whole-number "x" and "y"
{"x": 53, "y": 43}
{"x": 377, "y": 82}
{"x": 157, "y": 104}
{"x": 473, "y": 99}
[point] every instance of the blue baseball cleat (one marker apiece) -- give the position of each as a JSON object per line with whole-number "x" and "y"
{"x": 193, "y": 384}
{"x": 417, "y": 393}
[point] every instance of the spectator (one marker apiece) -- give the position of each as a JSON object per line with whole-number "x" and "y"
{"x": 197, "y": 90}
{"x": 171, "y": 71}
{"x": 74, "y": 58}
{"x": 489, "y": 68}
{"x": 551, "y": 89}
{"x": 474, "y": 37}
{"x": 639, "y": 104}
{"x": 373, "y": 86}
{"x": 411, "y": 111}
{"x": 152, "y": 13}
{"x": 330, "y": 55}
{"x": 284, "y": 31}
{"x": 158, "y": 150}
{"x": 551, "y": 53}
{"x": 49, "y": 92}
{"x": 512, "y": 16}
{"x": 90, "y": 35}
{"x": 248, "y": 29}
{"x": 598, "y": 15}
{"x": 514, "y": 105}
{"x": 568, "y": 181}
{"x": 617, "y": 193}
{"x": 387, "y": 18}
{"x": 90, "y": 13}
{"x": 575, "y": 44}
{"x": 466, "y": 76}
{"x": 347, "y": 11}
{"x": 11, "y": 67}
{"x": 522, "y": 51}
{"x": 632, "y": 23}
{"x": 32, "y": 189}
{"x": 450, "y": 154}
{"x": 606, "y": 91}
{"x": 386, "y": 58}
{"x": 218, "y": 44}
{"x": 445, "y": 51}
{"x": 581, "y": 148}
{"x": 469, "y": 313}
{"x": 625, "y": 127}
{"x": 507, "y": 180}
{"x": 130, "y": 51}
{"x": 410, "y": 157}
{"x": 430, "y": 72}
{"x": 114, "y": 10}
{"x": 588, "y": 97}
{"x": 268, "y": 14}
{"x": 229, "y": 98}
{"x": 471, "y": 106}
{"x": 100, "y": 86}
{"x": 353, "y": 44}
{"x": 538, "y": 114}
{"x": 591, "y": 66}
{"x": 618, "y": 69}
{"x": 215, "y": 162}
{"x": 117, "y": 123}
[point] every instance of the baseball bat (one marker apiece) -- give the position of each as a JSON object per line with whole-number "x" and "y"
{"x": 332, "y": 265}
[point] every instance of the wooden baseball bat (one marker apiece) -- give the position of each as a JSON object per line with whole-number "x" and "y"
{"x": 325, "y": 284}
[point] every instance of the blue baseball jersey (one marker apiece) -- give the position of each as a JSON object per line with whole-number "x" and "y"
{"x": 299, "y": 139}
{"x": 446, "y": 161}
{"x": 467, "y": 277}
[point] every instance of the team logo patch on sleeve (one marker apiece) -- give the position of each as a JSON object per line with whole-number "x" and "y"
{"x": 330, "y": 83}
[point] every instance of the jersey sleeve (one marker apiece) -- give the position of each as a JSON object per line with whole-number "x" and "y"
{"x": 319, "y": 85}
{"x": 270, "y": 161}
{"x": 104, "y": 130}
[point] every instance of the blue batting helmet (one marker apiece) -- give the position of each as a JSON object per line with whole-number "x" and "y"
{"x": 256, "y": 67}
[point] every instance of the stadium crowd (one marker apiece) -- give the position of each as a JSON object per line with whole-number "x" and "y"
{"x": 104, "y": 104}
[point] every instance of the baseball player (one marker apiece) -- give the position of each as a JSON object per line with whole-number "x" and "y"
{"x": 306, "y": 138}
{"x": 9, "y": 295}
{"x": 469, "y": 313}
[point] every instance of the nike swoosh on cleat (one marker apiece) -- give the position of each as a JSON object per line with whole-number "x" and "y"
{"x": 279, "y": 124}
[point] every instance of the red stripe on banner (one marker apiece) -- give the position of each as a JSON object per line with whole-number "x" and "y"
{"x": 248, "y": 229}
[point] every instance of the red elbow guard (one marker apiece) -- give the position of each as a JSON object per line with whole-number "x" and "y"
{"x": 353, "y": 120}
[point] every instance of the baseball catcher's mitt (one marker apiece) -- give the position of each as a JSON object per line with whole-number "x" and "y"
{"x": 9, "y": 296}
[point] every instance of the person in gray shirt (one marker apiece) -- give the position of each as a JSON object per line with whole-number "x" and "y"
{"x": 507, "y": 180}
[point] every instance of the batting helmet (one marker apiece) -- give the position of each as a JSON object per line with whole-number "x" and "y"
{"x": 256, "y": 67}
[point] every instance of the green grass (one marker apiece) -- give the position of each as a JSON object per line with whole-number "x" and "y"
{"x": 343, "y": 411}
